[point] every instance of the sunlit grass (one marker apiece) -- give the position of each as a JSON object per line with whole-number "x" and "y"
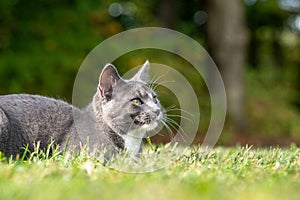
{"x": 221, "y": 173}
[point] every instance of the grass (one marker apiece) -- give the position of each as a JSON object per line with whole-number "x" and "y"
{"x": 221, "y": 173}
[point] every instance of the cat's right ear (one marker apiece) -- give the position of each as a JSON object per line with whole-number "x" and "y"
{"x": 108, "y": 80}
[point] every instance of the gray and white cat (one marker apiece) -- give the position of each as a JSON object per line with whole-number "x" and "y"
{"x": 118, "y": 117}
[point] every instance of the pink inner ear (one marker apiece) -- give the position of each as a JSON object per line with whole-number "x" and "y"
{"x": 108, "y": 80}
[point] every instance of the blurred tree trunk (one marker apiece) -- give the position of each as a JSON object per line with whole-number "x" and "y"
{"x": 227, "y": 41}
{"x": 277, "y": 52}
{"x": 253, "y": 56}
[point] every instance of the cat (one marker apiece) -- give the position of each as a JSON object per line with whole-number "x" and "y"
{"x": 117, "y": 118}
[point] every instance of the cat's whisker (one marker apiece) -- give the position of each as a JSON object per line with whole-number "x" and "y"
{"x": 180, "y": 131}
{"x": 156, "y": 79}
{"x": 180, "y": 116}
{"x": 173, "y": 108}
{"x": 157, "y": 129}
{"x": 171, "y": 134}
{"x": 178, "y": 109}
{"x": 160, "y": 83}
{"x": 161, "y": 91}
{"x": 173, "y": 122}
{"x": 170, "y": 107}
{"x": 154, "y": 83}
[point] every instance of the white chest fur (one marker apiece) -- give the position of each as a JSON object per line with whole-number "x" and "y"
{"x": 133, "y": 141}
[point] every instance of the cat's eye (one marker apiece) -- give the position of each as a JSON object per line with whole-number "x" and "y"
{"x": 155, "y": 100}
{"x": 137, "y": 101}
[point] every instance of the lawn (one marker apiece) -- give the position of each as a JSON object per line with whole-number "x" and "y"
{"x": 221, "y": 173}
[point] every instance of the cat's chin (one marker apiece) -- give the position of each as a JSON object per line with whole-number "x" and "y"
{"x": 150, "y": 127}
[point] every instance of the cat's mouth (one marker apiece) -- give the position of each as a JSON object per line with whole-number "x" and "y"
{"x": 143, "y": 123}
{"x": 148, "y": 122}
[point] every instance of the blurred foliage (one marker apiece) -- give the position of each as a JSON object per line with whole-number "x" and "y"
{"x": 43, "y": 42}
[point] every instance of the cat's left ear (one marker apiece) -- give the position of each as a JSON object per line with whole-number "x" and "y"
{"x": 108, "y": 80}
{"x": 143, "y": 74}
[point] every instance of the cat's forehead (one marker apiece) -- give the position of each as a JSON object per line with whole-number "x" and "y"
{"x": 137, "y": 89}
{"x": 142, "y": 92}
{"x": 141, "y": 89}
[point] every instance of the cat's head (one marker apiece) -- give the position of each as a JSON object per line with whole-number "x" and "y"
{"x": 127, "y": 105}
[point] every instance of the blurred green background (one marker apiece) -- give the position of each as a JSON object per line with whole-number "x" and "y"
{"x": 255, "y": 43}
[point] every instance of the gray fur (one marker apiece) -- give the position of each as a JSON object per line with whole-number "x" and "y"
{"x": 111, "y": 120}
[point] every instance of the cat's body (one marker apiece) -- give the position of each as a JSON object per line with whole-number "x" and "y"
{"x": 29, "y": 119}
{"x": 117, "y": 118}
